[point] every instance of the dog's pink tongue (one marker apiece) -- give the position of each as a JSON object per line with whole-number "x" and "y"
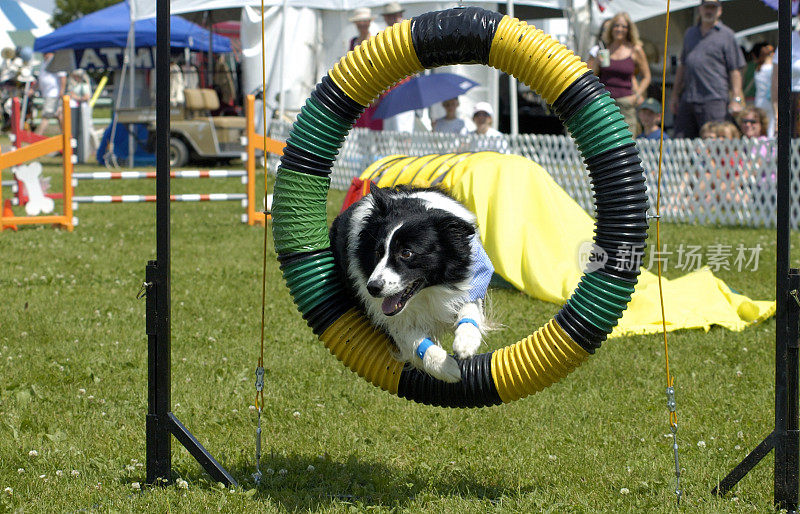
{"x": 391, "y": 304}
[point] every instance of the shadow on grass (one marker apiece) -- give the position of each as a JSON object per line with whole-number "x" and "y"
{"x": 302, "y": 482}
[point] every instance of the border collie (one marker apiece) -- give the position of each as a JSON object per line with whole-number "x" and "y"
{"x": 413, "y": 259}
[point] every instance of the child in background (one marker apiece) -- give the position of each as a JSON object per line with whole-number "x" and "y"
{"x": 649, "y": 114}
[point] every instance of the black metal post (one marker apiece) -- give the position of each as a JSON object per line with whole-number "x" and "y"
{"x": 161, "y": 423}
{"x": 785, "y": 437}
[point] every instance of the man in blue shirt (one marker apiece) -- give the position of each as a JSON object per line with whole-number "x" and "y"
{"x": 708, "y": 81}
{"x": 650, "y": 117}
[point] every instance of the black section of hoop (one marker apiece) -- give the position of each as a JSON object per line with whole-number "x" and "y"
{"x": 585, "y": 90}
{"x": 583, "y": 332}
{"x": 288, "y": 258}
{"x": 476, "y": 388}
{"x": 302, "y": 161}
{"x": 335, "y": 100}
{"x": 324, "y": 315}
{"x": 620, "y": 199}
{"x": 462, "y": 35}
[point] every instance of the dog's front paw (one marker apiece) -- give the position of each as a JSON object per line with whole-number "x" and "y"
{"x": 440, "y": 365}
{"x": 467, "y": 341}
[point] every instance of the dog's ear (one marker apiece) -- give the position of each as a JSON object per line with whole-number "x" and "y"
{"x": 380, "y": 198}
{"x": 454, "y": 226}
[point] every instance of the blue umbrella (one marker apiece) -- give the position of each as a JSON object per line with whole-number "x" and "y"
{"x": 774, "y": 5}
{"x": 422, "y": 91}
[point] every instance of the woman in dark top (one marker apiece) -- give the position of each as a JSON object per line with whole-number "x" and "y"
{"x": 623, "y": 67}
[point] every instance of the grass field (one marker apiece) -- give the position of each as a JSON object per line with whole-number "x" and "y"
{"x": 73, "y": 389}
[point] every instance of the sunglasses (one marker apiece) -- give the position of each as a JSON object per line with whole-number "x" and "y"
{"x": 750, "y": 121}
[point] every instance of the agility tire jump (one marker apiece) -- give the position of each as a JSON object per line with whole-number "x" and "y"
{"x": 461, "y": 36}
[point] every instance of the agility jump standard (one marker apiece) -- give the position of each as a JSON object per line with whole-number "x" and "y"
{"x": 61, "y": 143}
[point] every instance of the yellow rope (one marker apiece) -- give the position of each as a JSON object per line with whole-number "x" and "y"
{"x": 671, "y": 405}
{"x": 260, "y": 393}
{"x": 673, "y": 417}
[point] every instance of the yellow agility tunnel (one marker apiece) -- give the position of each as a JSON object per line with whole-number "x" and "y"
{"x": 460, "y": 36}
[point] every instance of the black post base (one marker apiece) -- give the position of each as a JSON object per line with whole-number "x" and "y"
{"x": 748, "y": 463}
{"x": 160, "y": 423}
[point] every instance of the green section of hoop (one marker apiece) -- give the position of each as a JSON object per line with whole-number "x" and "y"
{"x": 601, "y": 299}
{"x": 318, "y": 131}
{"x": 299, "y": 212}
{"x": 312, "y": 281}
{"x": 598, "y": 127}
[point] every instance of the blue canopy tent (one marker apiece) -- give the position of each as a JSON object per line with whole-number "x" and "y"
{"x": 109, "y": 27}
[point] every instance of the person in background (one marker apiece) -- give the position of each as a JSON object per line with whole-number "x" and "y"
{"x": 753, "y": 122}
{"x": 620, "y": 63}
{"x": 762, "y": 80}
{"x": 708, "y": 81}
{"x": 405, "y": 121}
{"x": 392, "y": 13}
{"x": 482, "y": 117}
{"x": 362, "y": 18}
{"x": 450, "y": 122}
{"x": 51, "y": 87}
{"x": 594, "y": 50}
{"x": 649, "y": 113}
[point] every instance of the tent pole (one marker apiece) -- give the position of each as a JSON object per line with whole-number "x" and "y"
{"x": 131, "y": 87}
{"x": 513, "y": 111}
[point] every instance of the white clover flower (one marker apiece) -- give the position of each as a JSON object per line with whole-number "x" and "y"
{"x": 310, "y": 467}
{"x": 59, "y": 473}
{"x": 33, "y": 453}
{"x": 270, "y": 471}
{"x": 296, "y": 414}
{"x": 130, "y": 467}
{"x": 181, "y": 484}
{"x": 282, "y": 471}
{"x": 552, "y": 457}
{"x": 42, "y": 476}
{"x": 740, "y": 434}
{"x": 136, "y": 486}
{"x": 252, "y": 408}
{"x": 20, "y": 470}
{"x": 8, "y": 491}
{"x": 75, "y": 472}
{"x": 701, "y": 444}
{"x": 624, "y": 490}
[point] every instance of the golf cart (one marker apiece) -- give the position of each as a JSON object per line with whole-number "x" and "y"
{"x": 194, "y": 132}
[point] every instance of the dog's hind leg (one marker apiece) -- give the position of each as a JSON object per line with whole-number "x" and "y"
{"x": 469, "y": 330}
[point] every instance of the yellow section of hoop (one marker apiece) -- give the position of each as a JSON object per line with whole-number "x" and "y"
{"x": 538, "y": 361}
{"x": 377, "y": 63}
{"x": 535, "y": 58}
{"x": 366, "y": 351}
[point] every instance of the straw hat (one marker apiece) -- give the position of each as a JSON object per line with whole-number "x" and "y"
{"x": 362, "y": 14}
{"x": 393, "y": 8}
{"x": 8, "y": 53}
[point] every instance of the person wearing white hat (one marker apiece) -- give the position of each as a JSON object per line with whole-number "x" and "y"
{"x": 392, "y": 13}
{"x": 361, "y": 18}
{"x": 482, "y": 117}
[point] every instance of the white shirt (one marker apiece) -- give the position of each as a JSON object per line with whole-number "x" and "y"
{"x": 49, "y": 86}
{"x": 795, "y": 62}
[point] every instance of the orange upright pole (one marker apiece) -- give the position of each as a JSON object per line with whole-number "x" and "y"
{"x": 67, "y": 156}
{"x": 251, "y": 161}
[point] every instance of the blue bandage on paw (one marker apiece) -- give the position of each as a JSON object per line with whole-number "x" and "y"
{"x": 468, "y": 320}
{"x": 423, "y": 347}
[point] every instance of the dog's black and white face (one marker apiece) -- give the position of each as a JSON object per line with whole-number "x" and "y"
{"x": 401, "y": 242}
{"x": 405, "y": 251}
